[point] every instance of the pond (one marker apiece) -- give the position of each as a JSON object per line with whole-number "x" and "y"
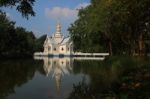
{"x": 69, "y": 78}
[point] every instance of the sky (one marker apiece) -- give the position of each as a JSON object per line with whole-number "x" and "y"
{"x": 48, "y": 13}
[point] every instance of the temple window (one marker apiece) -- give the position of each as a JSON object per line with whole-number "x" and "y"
{"x": 54, "y": 49}
{"x": 49, "y": 62}
{"x": 49, "y": 48}
{"x": 62, "y": 49}
{"x": 67, "y": 63}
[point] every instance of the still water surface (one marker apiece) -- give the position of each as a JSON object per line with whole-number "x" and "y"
{"x": 66, "y": 78}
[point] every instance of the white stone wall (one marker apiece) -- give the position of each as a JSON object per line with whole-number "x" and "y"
{"x": 58, "y": 48}
{"x": 46, "y": 49}
{"x": 58, "y": 39}
{"x": 69, "y": 49}
{"x": 62, "y": 49}
{"x": 55, "y": 49}
{"x": 50, "y": 48}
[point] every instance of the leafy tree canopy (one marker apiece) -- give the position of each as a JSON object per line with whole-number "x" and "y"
{"x": 25, "y": 7}
{"x": 17, "y": 41}
{"x": 112, "y": 26}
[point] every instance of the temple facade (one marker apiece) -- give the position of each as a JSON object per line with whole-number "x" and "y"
{"x": 57, "y": 44}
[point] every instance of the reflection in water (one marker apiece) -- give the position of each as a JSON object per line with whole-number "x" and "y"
{"x": 16, "y": 73}
{"x": 57, "y": 67}
{"x": 123, "y": 78}
{"x": 114, "y": 78}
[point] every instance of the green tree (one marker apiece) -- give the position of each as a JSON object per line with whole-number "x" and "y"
{"x": 23, "y": 6}
{"x": 39, "y": 43}
{"x": 112, "y": 25}
{"x": 15, "y": 42}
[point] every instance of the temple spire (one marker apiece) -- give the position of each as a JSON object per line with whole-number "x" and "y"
{"x": 58, "y": 30}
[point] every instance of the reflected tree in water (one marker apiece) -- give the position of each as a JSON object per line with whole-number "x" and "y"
{"x": 81, "y": 91}
{"x": 123, "y": 78}
{"x": 16, "y": 73}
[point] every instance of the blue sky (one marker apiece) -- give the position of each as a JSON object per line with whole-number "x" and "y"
{"x": 48, "y": 12}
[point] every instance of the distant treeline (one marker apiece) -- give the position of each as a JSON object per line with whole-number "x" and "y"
{"x": 17, "y": 42}
{"x": 114, "y": 26}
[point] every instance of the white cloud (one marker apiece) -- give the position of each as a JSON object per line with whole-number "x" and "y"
{"x": 8, "y": 15}
{"x": 58, "y": 12}
{"x": 64, "y": 13}
{"x": 82, "y": 5}
{"x": 36, "y": 32}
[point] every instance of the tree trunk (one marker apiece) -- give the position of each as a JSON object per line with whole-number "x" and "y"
{"x": 108, "y": 39}
{"x": 141, "y": 45}
{"x": 110, "y": 47}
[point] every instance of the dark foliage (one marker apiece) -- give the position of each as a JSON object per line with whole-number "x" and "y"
{"x": 23, "y": 6}
{"x": 114, "y": 26}
{"x": 16, "y": 41}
